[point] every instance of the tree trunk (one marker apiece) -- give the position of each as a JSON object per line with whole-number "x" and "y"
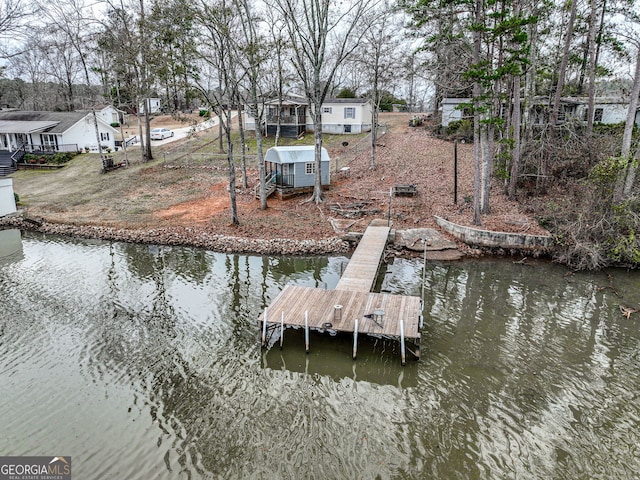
{"x": 624, "y": 184}
{"x": 147, "y": 123}
{"x": 243, "y": 148}
{"x": 515, "y": 152}
{"x": 592, "y": 70}
{"x": 232, "y": 170}
{"x": 317, "y": 142}
{"x": 486, "y": 149}
{"x": 374, "y": 134}
{"x": 562, "y": 71}
{"x": 477, "y": 44}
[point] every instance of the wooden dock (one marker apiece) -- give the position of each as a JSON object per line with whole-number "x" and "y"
{"x": 351, "y": 308}
{"x": 362, "y": 270}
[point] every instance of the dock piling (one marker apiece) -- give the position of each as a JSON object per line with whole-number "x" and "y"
{"x": 264, "y": 329}
{"x": 281, "y": 330}
{"x": 402, "y": 349}
{"x": 355, "y": 338}
{"x": 306, "y": 331}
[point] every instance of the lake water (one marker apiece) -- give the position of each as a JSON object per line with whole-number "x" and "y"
{"x": 143, "y": 362}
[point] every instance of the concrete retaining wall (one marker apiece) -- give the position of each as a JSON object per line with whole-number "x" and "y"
{"x": 486, "y": 238}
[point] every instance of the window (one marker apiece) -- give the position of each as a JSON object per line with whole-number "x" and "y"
{"x": 48, "y": 140}
{"x": 349, "y": 112}
{"x": 310, "y": 168}
{"x": 597, "y": 117}
{"x": 347, "y": 129}
{"x": 326, "y": 109}
{"x": 104, "y": 136}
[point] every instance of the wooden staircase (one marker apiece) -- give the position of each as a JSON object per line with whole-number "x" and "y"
{"x": 8, "y": 162}
{"x": 270, "y": 186}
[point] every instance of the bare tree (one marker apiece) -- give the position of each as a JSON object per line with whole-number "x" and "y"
{"x": 70, "y": 19}
{"x": 254, "y": 55}
{"x": 626, "y": 180}
{"x": 13, "y": 17}
{"x": 379, "y": 61}
{"x": 322, "y": 34}
{"x": 219, "y": 53}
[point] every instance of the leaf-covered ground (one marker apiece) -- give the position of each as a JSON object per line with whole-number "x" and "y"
{"x": 196, "y": 195}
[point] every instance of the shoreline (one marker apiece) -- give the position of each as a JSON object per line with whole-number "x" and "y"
{"x": 196, "y": 237}
{"x": 200, "y": 237}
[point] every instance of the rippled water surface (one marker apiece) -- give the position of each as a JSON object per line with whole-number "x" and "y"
{"x": 143, "y": 362}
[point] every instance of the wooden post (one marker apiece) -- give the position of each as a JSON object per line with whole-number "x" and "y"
{"x": 424, "y": 266}
{"x": 389, "y": 213}
{"x": 306, "y": 331}
{"x": 264, "y": 328}
{"x": 355, "y": 338}
{"x": 281, "y": 330}
{"x": 402, "y": 351}
{"x": 455, "y": 172}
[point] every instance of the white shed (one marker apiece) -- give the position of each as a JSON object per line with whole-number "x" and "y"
{"x": 7, "y": 199}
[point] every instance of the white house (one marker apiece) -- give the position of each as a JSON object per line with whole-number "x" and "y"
{"x": 154, "y": 106}
{"x": 452, "y": 110}
{"x": 606, "y": 110}
{"x": 339, "y": 116}
{"x": 54, "y": 131}
{"x": 346, "y": 115}
{"x": 111, "y": 114}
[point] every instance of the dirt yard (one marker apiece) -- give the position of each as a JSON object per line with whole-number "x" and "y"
{"x": 161, "y": 194}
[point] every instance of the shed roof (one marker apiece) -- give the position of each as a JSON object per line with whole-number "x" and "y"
{"x": 294, "y": 154}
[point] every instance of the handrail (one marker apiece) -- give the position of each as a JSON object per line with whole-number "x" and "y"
{"x": 267, "y": 180}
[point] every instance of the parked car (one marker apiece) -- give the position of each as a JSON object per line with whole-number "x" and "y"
{"x": 161, "y": 133}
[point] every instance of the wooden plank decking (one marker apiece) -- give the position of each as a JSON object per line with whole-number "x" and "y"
{"x": 360, "y": 274}
{"x": 294, "y": 301}
{"x": 391, "y": 316}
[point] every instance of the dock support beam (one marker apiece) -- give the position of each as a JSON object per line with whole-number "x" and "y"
{"x": 306, "y": 331}
{"x": 403, "y": 358}
{"x": 264, "y": 329}
{"x": 355, "y": 338}
{"x": 281, "y": 330}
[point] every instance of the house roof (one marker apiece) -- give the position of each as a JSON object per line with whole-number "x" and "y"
{"x": 294, "y": 154}
{"x": 24, "y": 126}
{"x": 346, "y": 100}
{"x": 18, "y": 121}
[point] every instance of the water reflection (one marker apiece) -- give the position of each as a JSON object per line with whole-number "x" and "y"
{"x": 10, "y": 245}
{"x": 149, "y": 355}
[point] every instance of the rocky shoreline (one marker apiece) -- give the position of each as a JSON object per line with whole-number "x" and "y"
{"x": 182, "y": 236}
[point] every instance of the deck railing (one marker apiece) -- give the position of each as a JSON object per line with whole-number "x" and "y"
{"x": 65, "y": 147}
{"x": 288, "y": 119}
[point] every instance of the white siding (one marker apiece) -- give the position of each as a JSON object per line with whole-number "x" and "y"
{"x": 450, "y": 112}
{"x": 84, "y": 135}
{"x": 7, "y": 200}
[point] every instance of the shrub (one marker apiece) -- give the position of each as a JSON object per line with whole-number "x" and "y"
{"x": 460, "y": 128}
{"x": 16, "y": 197}
{"x": 61, "y": 158}
{"x": 204, "y": 113}
{"x": 592, "y": 230}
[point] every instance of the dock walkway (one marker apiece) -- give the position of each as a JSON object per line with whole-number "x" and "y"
{"x": 362, "y": 270}
{"x": 351, "y": 307}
